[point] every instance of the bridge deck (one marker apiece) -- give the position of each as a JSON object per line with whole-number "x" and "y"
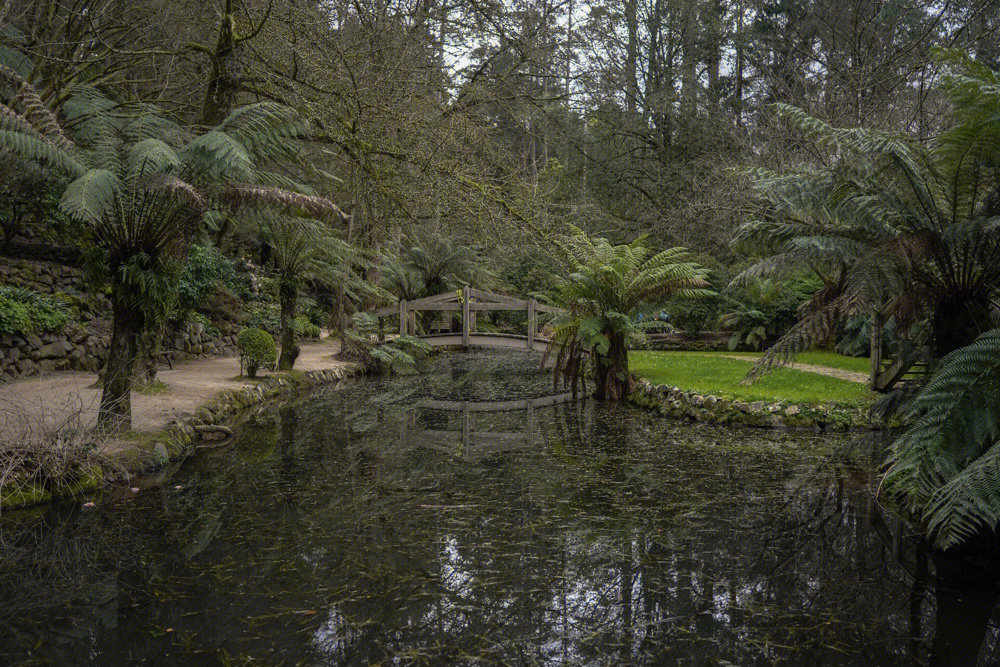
{"x": 486, "y": 340}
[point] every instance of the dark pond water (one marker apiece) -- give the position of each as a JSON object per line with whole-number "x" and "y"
{"x": 447, "y": 519}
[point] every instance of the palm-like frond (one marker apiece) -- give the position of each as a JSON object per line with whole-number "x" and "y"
{"x": 944, "y": 469}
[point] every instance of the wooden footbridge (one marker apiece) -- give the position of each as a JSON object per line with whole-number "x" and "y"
{"x": 470, "y": 302}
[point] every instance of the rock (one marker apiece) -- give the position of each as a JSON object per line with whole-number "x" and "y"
{"x": 47, "y": 365}
{"x": 697, "y": 400}
{"x": 13, "y": 354}
{"x": 757, "y": 406}
{"x": 160, "y": 452}
{"x": 26, "y": 366}
{"x": 711, "y": 401}
{"x": 33, "y": 340}
{"x": 792, "y": 410}
{"x": 741, "y": 406}
{"x": 774, "y": 408}
{"x": 54, "y": 350}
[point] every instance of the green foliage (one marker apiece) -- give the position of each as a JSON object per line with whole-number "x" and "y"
{"x": 257, "y": 348}
{"x": 25, "y": 311}
{"x": 304, "y": 327}
{"x": 892, "y": 225}
{"x": 205, "y": 266}
{"x": 763, "y": 309}
{"x": 606, "y": 286}
{"x": 431, "y": 265}
{"x": 944, "y": 470}
{"x": 365, "y": 343}
{"x": 262, "y": 315}
{"x": 198, "y": 318}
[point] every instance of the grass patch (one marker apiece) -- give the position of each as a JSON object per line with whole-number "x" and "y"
{"x": 819, "y": 358}
{"x": 153, "y": 388}
{"x": 713, "y": 373}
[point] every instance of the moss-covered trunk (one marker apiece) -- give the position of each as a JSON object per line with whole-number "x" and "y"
{"x": 288, "y": 294}
{"x": 611, "y": 375}
{"x": 115, "y": 415}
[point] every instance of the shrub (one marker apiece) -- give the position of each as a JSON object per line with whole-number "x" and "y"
{"x": 23, "y": 310}
{"x": 304, "y": 327}
{"x": 262, "y": 315}
{"x": 256, "y": 348}
{"x": 221, "y": 306}
{"x": 206, "y": 266}
{"x": 198, "y": 318}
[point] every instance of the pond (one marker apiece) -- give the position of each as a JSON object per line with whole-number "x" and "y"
{"x": 472, "y": 515}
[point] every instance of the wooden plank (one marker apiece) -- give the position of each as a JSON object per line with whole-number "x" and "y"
{"x": 545, "y": 308}
{"x": 466, "y": 300}
{"x": 531, "y": 324}
{"x": 493, "y": 305}
{"x": 876, "y": 348}
{"x": 387, "y": 310}
{"x": 491, "y": 296}
{"x": 455, "y": 305}
{"x": 418, "y": 304}
{"x": 402, "y": 317}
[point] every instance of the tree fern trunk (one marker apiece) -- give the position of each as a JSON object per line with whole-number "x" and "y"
{"x": 611, "y": 374}
{"x": 115, "y": 415}
{"x": 288, "y": 294}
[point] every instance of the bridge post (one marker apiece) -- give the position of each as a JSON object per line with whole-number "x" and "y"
{"x": 466, "y": 320}
{"x": 402, "y": 317}
{"x": 531, "y": 324}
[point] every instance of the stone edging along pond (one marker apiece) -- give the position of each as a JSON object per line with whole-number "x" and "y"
{"x": 151, "y": 451}
{"x": 675, "y": 402}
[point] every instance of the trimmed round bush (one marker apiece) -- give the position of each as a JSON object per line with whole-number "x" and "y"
{"x": 256, "y": 348}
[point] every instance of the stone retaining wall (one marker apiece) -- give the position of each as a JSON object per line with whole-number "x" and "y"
{"x": 703, "y": 341}
{"x": 675, "y": 402}
{"x": 85, "y": 348}
{"x": 83, "y": 344}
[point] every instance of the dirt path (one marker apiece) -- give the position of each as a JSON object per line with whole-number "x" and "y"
{"x": 839, "y": 373}
{"x": 48, "y": 399}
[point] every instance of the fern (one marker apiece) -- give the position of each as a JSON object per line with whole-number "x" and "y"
{"x": 944, "y": 470}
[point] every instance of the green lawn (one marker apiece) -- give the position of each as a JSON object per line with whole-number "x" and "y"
{"x": 821, "y": 358}
{"x": 713, "y": 373}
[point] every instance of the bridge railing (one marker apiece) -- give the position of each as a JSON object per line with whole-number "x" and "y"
{"x": 469, "y": 301}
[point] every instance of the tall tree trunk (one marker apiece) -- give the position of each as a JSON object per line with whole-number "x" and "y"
{"x": 288, "y": 294}
{"x": 223, "y": 82}
{"x": 611, "y": 375}
{"x": 115, "y": 414}
{"x": 631, "y": 57}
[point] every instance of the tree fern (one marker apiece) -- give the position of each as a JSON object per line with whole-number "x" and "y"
{"x": 944, "y": 470}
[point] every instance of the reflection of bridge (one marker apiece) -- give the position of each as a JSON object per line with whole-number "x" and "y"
{"x": 475, "y": 445}
{"x": 470, "y": 301}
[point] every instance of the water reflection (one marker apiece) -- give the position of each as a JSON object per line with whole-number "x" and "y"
{"x": 462, "y": 428}
{"x": 331, "y": 533}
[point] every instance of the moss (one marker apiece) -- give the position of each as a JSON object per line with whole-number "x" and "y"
{"x": 89, "y": 479}
{"x": 15, "y": 495}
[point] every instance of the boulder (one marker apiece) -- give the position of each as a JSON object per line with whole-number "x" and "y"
{"x": 32, "y": 340}
{"x": 54, "y": 350}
